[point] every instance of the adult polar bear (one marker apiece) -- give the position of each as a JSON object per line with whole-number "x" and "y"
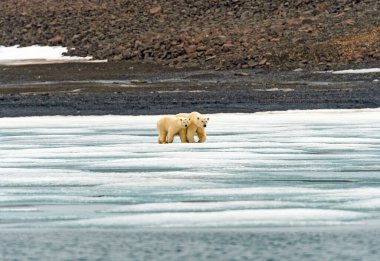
{"x": 197, "y": 124}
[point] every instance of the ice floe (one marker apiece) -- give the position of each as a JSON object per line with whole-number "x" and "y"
{"x": 292, "y": 168}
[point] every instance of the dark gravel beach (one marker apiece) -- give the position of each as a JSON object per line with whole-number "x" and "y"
{"x": 137, "y": 89}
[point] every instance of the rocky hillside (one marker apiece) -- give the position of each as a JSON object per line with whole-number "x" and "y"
{"x": 216, "y": 34}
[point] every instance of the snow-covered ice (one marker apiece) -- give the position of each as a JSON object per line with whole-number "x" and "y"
{"x": 295, "y": 168}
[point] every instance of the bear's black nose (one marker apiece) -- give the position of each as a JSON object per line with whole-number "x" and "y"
{"x": 185, "y": 125}
{"x": 205, "y": 125}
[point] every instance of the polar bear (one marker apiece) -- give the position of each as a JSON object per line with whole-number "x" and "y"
{"x": 198, "y": 123}
{"x": 169, "y": 126}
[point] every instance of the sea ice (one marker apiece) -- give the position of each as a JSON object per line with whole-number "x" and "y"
{"x": 294, "y": 168}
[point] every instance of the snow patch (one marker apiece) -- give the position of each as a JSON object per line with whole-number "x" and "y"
{"x": 15, "y": 55}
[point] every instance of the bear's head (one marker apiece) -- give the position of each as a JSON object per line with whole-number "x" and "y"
{"x": 201, "y": 121}
{"x": 184, "y": 122}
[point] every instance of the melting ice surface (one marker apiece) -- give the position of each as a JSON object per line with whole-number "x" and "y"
{"x": 296, "y": 168}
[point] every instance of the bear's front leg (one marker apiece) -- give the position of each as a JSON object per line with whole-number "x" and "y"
{"x": 201, "y": 134}
{"x": 170, "y": 137}
{"x": 182, "y": 135}
{"x": 190, "y": 134}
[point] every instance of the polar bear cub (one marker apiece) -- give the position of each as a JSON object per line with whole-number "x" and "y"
{"x": 169, "y": 126}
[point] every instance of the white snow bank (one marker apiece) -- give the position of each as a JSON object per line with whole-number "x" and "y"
{"x": 15, "y": 55}
{"x": 352, "y": 71}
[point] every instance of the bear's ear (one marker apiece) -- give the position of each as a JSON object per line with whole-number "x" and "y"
{"x": 208, "y": 118}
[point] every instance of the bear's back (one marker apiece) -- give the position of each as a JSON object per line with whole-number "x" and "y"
{"x": 167, "y": 121}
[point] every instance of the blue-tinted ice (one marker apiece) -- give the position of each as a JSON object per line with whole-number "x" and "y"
{"x": 297, "y": 168}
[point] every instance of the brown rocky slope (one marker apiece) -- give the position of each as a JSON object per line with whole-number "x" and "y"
{"x": 207, "y": 34}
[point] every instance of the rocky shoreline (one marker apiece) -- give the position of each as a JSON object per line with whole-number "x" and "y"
{"x": 228, "y": 34}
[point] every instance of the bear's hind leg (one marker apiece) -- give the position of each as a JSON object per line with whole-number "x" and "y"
{"x": 162, "y": 137}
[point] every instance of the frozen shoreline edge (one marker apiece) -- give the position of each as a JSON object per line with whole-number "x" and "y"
{"x": 260, "y": 113}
